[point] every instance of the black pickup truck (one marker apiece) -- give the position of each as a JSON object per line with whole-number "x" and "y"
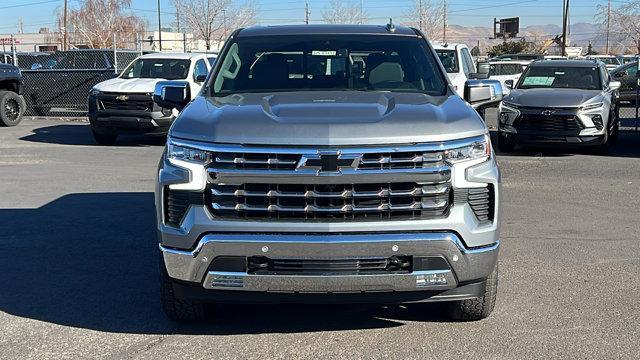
{"x": 12, "y": 104}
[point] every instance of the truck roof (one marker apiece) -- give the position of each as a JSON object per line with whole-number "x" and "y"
{"x": 326, "y": 29}
{"x": 564, "y": 63}
{"x": 170, "y": 55}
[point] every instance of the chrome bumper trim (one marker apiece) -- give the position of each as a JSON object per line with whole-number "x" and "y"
{"x": 467, "y": 264}
{"x": 326, "y": 284}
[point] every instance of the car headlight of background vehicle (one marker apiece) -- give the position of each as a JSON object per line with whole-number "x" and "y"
{"x": 477, "y": 150}
{"x": 591, "y": 106}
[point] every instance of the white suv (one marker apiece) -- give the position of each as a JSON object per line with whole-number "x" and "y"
{"x": 457, "y": 61}
{"x": 124, "y": 104}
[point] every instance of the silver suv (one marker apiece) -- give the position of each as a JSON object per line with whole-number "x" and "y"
{"x": 560, "y": 103}
{"x": 328, "y": 164}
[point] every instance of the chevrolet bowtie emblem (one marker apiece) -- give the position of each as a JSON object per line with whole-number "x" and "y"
{"x": 122, "y": 97}
{"x": 330, "y": 163}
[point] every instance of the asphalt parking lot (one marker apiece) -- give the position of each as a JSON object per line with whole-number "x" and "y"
{"x": 78, "y": 264}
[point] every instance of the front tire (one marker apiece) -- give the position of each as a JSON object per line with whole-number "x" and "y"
{"x": 174, "y": 307}
{"x": 104, "y": 139}
{"x": 12, "y": 108}
{"x": 505, "y": 145}
{"x": 478, "y": 308}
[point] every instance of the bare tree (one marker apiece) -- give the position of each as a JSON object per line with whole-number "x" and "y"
{"x": 623, "y": 24}
{"x": 213, "y": 20}
{"x": 338, "y": 12}
{"x": 94, "y": 22}
{"x": 427, "y": 16}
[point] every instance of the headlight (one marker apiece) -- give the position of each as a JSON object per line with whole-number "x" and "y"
{"x": 477, "y": 150}
{"x": 592, "y": 106}
{"x": 510, "y": 105}
{"x": 191, "y": 155}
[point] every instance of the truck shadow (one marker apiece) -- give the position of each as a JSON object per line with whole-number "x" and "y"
{"x": 90, "y": 261}
{"x": 80, "y": 134}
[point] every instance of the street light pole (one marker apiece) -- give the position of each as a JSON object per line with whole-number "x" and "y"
{"x": 159, "y": 27}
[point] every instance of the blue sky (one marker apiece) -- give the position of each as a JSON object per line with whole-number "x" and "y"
{"x": 40, "y": 13}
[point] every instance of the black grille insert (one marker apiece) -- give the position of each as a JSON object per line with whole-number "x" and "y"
{"x": 176, "y": 204}
{"x": 482, "y": 202}
{"x": 391, "y": 265}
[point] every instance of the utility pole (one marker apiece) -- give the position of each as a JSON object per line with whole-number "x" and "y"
{"x": 178, "y": 18}
{"x": 64, "y": 25}
{"x": 224, "y": 22}
{"x": 608, "y": 25}
{"x": 306, "y": 13}
{"x": 565, "y": 22}
{"x": 420, "y": 15}
{"x": 21, "y": 26}
{"x": 444, "y": 28}
{"x": 159, "y": 27}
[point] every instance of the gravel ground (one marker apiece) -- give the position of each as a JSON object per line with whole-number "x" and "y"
{"x": 78, "y": 264}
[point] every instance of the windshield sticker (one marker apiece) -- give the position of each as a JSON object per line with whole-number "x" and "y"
{"x": 323, "y": 53}
{"x": 538, "y": 81}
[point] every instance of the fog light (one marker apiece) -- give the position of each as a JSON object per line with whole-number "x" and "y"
{"x": 503, "y": 118}
{"x": 431, "y": 279}
{"x": 165, "y": 111}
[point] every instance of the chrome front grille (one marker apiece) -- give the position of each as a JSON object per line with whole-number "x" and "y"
{"x": 327, "y": 183}
{"x": 340, "y": 202}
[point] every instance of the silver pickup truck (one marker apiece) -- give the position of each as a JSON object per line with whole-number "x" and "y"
{"x": 328, "y": 163}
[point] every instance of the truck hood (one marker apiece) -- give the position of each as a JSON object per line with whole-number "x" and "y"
{"x": 327, "y": 119}
{"x": 551, "y": 97}
{"x": 119, "y": 85}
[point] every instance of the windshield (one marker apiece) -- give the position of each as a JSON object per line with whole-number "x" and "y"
{"x": 506, "y": 69}
{"x": 611, "y": 61}
{"x": 169, "y": 69}
{"x": 328, "y": 62}
{"x": 449, "y": 60}
{"x": 585, "y": 78}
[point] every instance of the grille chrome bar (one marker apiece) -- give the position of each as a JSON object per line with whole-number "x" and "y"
{"x": 429, "y": 205}
{"x": 424, "y": 190}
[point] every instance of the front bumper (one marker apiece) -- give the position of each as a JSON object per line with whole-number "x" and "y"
{"x": 117, "y": 121}
{"x": 465, "y": 264}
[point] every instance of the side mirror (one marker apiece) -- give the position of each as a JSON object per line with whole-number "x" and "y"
{"x": 36, "y": 66}
{"x": 172, "y": 94}
{"x": 614, "y": 85}
{"x": 478, "y": 76}
{"x": 484, "y": 67}
{"x": 200, "y": 78}
{"x": 508, "y": 84}
{"x": 482, "y": 93}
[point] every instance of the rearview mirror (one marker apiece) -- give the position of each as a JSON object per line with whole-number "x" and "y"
{"x": 484, "y": 67}
{"x": 482, "y": 93}
{"x": 172, "y": 94}
{"x": 614, "y": 85}
{"x": 508, "y": 84}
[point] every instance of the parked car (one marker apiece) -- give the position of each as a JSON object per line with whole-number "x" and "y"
{"x": 85, "y": 59}
{"x": 294, "y": 176}
{"x": 458, "y": 63}
{"x": 507, "y": 72}
{"x": 625, "y": 59}
{"x": 518, "y": 57}
{"x": 627, "y": 75}
{"x": 124, "y": 104}
{"x": 610, "y": 61}
{"x": 12, "y": 104}
{"x": 560, "y": 103}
